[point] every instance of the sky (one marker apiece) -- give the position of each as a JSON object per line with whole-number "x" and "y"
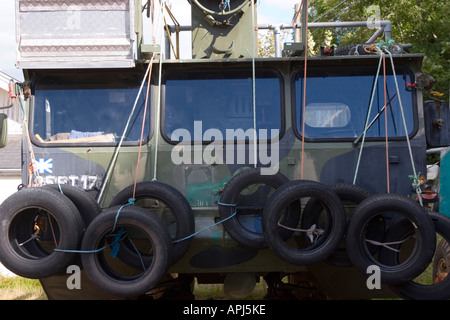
{"x": 269, "y": 11}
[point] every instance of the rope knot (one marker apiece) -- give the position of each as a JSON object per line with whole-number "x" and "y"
{"x": 116, "y": 245}
{"x": 385, "y": 45}
{"x": 417, "y": 181}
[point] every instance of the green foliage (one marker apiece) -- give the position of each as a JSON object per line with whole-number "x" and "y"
{"x": 266, "y": 42}
{"x": 421, "y": 23}
{"x": 266, "y": 45}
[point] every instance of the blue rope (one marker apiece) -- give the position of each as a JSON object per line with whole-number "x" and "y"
{"x": 131, "y": 202}
{"x": 116, "y": 241}
{"x": 118, "y": 237}
{"x": 139, "y": 254}
{"x": 81, "y": 251}
{"x": 224, "y": 5}
{"x": 225, "y": 204}
{"x": 59, "y": 187}
{"x": 115, "y": 244}
{"x": 215, "y": 224}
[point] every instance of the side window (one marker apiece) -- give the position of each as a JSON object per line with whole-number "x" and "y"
{"x": 221, "y": 100}
{"x": 337, "y": 106}
{"x": 69, "y": 113}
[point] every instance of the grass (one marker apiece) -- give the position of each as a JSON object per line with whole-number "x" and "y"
{"x": 426, "y": 277}
{"x": 18, "y": 288}
{"x": 216, "y": 292}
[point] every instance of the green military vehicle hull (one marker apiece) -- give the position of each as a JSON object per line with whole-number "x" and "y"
{"x": 328, "y": 160}
{"x": 225, "y": 168}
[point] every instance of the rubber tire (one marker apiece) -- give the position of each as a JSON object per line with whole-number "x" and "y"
{"x": 86, "y": 204}
{"x": 29, "y": 260}
{"x": 175, "y": 201}
{"x": 289, "y": 193}
{"x": 100, "y": 274}
{"x": 351, "y": 50}
{"x": 230, "y": 195}
{"x": 441, "y": 291}
{"x": 373, "y": 207}
{"x": 442, "y": 254}
{"x": 349, "y": 193}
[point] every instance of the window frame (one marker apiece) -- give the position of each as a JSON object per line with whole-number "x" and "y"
{"x": 93, "y": 74}
{"x": 348, "y": 71}
{"x": 243, "y": 72}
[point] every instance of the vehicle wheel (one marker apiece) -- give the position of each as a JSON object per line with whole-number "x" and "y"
{"x": 246, "y": 194}
{"x": 35, "y": 222}
{"x": 391, "y": 207}
{"x": 441, "y": 265}
{"x": 439, "y": 286}
{"x": 86, "y": 204}
{"x": 170, "y": 205}
{"x": 351, "y": 195}
{"x": 147, "y": 233}
{"x": 325, "y": 236}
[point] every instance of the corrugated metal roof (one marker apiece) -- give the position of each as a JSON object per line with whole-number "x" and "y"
{"x": 4, "y": 80}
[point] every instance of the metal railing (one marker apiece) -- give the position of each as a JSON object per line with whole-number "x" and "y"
{"x": 384, "y": 26}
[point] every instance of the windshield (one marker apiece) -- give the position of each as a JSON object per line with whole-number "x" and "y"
{"x": 84, "y": 109}
{"x": 337, "y": 105}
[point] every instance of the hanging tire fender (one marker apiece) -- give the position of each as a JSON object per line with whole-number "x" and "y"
{"x": 349, "y": 194}
{"x": 391, "y": 204}
{"x": 98, "y": 270}
{"x": 86, "y": 204}
{"x": 328, "y": 241}
{"x": 20, "y": 252}
{"x": 229, "y": 205}
{"x": 174, "y": 200}
{"x": 438, "y": 290}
